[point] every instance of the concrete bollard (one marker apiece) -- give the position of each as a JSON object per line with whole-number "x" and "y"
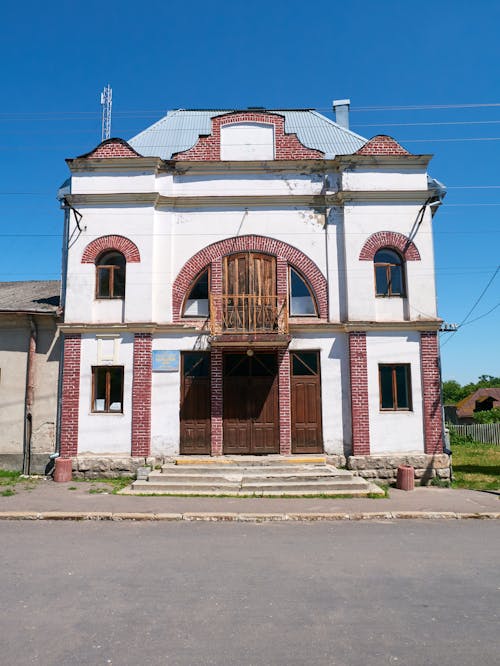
{"x": 406, "y": 478}
{"x": 63, "y": 471}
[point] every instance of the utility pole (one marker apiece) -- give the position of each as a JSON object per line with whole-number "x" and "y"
{"x": 106, "y": 103}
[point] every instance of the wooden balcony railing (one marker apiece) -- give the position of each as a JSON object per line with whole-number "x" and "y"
{"x": 248, "y": 314}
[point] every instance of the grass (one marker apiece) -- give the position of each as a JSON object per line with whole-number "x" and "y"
{"x": 113, "y": 485}
{"x": 8, "y": 492}
{"x": 475, "y": 466}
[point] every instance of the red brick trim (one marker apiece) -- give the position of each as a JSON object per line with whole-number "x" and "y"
{"x": 216, "y": 387}
{"x": 359, "y": 394}
{"x": 141, "y": 394}
{"x": 105, "y": 243}
{"x": 382, "y": 145}
{"x": 212, "y": 254}
{"x": 70, "y": 396}
{"x": 287, "y": 146}
{"x": 111, "y": 148}
{"x": 285, "y": 419}
{"x": 389, "y": 239}
{"x": 431, "y": 392}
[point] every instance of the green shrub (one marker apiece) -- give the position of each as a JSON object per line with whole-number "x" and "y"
{"x": 488, "y": 416}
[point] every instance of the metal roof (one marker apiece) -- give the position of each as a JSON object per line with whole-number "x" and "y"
{"x": 180, "y": 129}
{"x": 38, "y": 296}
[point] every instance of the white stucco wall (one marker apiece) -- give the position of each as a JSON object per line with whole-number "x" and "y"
{"x": 165, "y": 402}
{"x": 394, "y": 431}
{"x": 247, "y": 141}
{"x": 361, "y": 220}
{"x": 102, "y": 433}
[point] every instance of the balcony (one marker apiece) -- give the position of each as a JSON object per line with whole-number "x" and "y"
{"x": 248, "y": 315}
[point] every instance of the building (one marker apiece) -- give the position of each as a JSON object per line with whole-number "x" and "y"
{"x": 251, "y": 282}
{"x": 29, "y": 368}
{"x": 481, "y": 400}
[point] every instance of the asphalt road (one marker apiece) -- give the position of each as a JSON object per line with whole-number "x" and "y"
{"x": 407, "y": 592}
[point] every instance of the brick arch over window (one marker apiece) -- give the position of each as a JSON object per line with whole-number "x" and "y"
{"x": 105, "y": 243}
{"x": 285, "y": 255}
{"x": 287, "y": 146}
{"x": 392, "y": 239}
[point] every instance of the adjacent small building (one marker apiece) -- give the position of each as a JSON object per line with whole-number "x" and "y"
{"x": 29, "y": 368}
{"x": 251, "y": 282}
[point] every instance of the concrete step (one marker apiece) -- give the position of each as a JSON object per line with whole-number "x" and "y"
{"x": 267, "y": 470}
{"x": 145, "y": 487}
{"x": 304, "y": 487}
{"x": 247, "y": 478}
{"x": 241, "y": 461}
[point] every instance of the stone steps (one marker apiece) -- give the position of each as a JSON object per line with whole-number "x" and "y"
{"x": 244, "y": 476}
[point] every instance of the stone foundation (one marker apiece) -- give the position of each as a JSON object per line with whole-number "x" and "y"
{"x": 109, "y": 467}
{"x": 385, "y": 468}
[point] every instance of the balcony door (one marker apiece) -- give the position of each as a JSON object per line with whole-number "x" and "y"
{"x": 249, "y": 302}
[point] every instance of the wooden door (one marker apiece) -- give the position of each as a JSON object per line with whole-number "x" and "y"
{"x": 195, "y": 404}
{"x": 306, "y": 402}
{"x": 250, "y": 397}
{"x": 249, "y": 286}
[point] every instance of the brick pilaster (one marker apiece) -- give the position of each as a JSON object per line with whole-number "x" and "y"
{"x": 431, "y": 392}
{"x": 216, "y": 402}
{"x": 359, "y": 394}
{"x": 141, "y": 395}
{"x": 284, "y": 402}
{"x": 70, "y": 396}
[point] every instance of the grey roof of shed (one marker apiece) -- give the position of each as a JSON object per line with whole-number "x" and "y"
{"x": 37, "y": 296}
{"x": 180, "y": 129}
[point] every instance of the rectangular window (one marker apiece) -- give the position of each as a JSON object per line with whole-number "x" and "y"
{"x": 395, "y": 387}
{"x": 107, "y": 389}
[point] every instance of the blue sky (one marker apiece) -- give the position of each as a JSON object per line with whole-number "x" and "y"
{"x": 57, "y": 57}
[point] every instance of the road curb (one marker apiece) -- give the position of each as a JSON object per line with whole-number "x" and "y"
{"x": 199, "y": 516}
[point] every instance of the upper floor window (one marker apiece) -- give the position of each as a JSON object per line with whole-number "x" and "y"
{"x": 110, "y": 275}
{"x": 196, "y": 304}
{"x": 389, "y": 278}
{"x": 301, "y": 300}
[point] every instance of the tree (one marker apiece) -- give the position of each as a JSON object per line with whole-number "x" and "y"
{"x": 453, "y": 392}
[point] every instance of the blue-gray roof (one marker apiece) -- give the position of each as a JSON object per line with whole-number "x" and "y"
{"x": 180, "y": 129}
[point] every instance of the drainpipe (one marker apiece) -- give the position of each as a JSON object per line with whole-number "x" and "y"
{"x": 29, "y": 397}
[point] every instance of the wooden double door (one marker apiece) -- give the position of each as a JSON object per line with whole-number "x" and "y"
{"x": 195, "y": 426}
{"x": 250, "y": 398}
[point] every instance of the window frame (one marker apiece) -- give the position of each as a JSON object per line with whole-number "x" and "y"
{"x": 111, "y": 268}
{"x": 388, "y": 276}
{"x": 309, "y": 288}
{"x": 395, "y": 407}
{"x": 188, "y": 293}
{"x": 107, "y": 397}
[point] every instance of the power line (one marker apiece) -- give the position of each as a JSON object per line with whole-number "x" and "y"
{"x": 476, "y": 303}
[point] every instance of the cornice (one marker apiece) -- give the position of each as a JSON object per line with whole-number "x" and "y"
{"x": 86, "y": 164}
{"x": 319, "y": 327}
{"x": 160, "y": 201}
{"x": 343, "y": 196}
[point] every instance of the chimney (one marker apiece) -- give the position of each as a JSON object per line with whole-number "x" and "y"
{"x": 341, "y": 108}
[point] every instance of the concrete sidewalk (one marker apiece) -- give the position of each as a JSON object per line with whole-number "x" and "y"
{"x": 44, "y": 499}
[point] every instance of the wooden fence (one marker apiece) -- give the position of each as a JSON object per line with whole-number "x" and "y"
{"x": 486, "y": 433}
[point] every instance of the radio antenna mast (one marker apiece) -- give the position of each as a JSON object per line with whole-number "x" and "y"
{"x": 106, "y": 103}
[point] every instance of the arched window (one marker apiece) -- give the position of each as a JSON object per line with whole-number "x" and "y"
{"x": 196, "y": 304}
{"x": 389, "y": 277}
{"x": 301, "y": 300}
{"x": 110, "y": 275}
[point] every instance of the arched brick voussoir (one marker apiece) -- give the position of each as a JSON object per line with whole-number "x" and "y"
{"x": 393, "y": 239}
{"x": 107, "y": 243}
{"x": 250, "y": 243}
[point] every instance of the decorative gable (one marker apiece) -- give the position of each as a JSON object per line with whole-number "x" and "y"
{"x": 111, "y": 148}
{"x": 230, "y": 128}
{"x": 382, "y": 145}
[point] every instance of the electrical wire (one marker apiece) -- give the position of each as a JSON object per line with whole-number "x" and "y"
{"x": 476, "y": 303}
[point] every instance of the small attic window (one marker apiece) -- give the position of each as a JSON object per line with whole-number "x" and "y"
{"x": 247, "y": 141}
{"x": 196, "y": 304}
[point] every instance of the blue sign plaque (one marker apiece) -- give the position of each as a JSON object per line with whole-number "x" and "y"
{"x": 166, "y": 360}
